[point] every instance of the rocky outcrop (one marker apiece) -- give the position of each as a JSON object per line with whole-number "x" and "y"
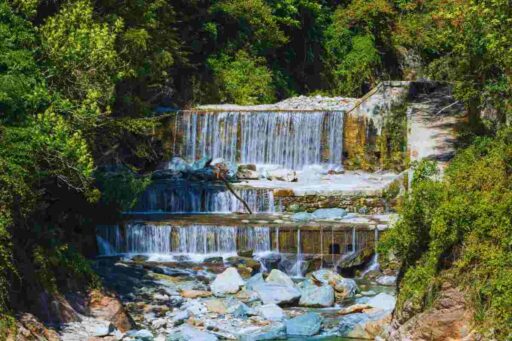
{"x": 109, "y": 308}
{"x": 449, "y": 318}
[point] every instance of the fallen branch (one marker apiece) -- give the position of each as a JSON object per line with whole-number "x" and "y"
{"x": 230, "y": 188}
{"x": 447, "y": 107}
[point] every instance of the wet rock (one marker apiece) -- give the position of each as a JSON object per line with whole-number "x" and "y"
{"x": 256, "y": 279}
{"x": 346, "y": 287}
{"x": 329, "y": 213}
{"x": 179, "y": 165}
{"x": 386, "y": 280}
{"x": 244, "y": 271}
{"x": 214, "y": 260}
{"x": 140, "y": 335}
{"x": 279, "y": 277}
{"x": 159, "y": 323}
{"x": 195, "y": 293}
{"x": 188, "y": 333}
{"x": 173, "y": 272}
{"x": 355, "y": 308}
{"x": 283, "y": 192}
{"x": 271, "y": 312}
{"x": 368, "y": 293}
{"x": 383, "y": 301}
{"x": 228, "y": 282}
{"x": 313, "y": 296}
{"x": 249, "y": 262}
{"x": 239, "y": 309}
{"x": 278, "y": 294}
{"x": 245, "y": 253}
{"x": 139, "y": 258}
{"x": 247, "y": 174}
{"x": 308, "y": 324}
{"x": 274, "y": 331}
{"x": 271, "y": 261}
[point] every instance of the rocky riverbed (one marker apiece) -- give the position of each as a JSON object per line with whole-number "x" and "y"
{"x": 235, "y": 300}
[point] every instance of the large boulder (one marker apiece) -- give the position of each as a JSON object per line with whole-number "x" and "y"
{"x": 279, "y": 277}
{"x": 382, "y": 301}
{"x": 187, "y": 333}
{"x": 313, "y": 296}
{"x": 271, "y": 312}
{"x": 278, "y": 294}
{"x": 256, "y": 279}
{"x": 304, "y": 325}
{"x": 110, "y": 309}
{"x": 281, "y": 175}
{"x": 301, "y": 216}
{"x": 386, "y": 280}
{"x": 274, "y": 331}
{"x": 346, "y": 287}
{"x": 246, "y": 261}
{"x": 228, "y": 282}
{"x": 365, "y": 326}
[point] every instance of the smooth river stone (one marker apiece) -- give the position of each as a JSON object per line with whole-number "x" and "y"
{"x": 228, "y": 282}
{"x": 276, "y": 293}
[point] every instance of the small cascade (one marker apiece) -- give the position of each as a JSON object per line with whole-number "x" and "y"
{"x": 190, "y": 240}
{"x": 374, "y": 262}
{"x": 183, "y": 197}
{"x": 289, "y": 139}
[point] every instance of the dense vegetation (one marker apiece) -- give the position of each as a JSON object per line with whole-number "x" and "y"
{"x": 79, "y": 78}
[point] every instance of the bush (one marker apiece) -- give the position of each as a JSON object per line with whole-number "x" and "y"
{"x": 461, "y": 225}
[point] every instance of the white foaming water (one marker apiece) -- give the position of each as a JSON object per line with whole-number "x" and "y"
{"x": 182, "y": 240}
{"x": 290, "y": 139}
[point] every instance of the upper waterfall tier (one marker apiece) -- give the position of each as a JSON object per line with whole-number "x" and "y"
{"x": 292, "y": 139}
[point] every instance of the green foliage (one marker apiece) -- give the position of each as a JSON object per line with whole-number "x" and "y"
{"x": 242, "y": 79}
{"x": 81, "y": 52}
{"x": 121, "y": 189}
{"x": 463, "y": 224}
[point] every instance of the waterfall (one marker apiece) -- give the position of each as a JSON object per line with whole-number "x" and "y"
{"x": 192, "y": 239}
{"x": 184, "y": 197}
{"x": 290, "y": 139}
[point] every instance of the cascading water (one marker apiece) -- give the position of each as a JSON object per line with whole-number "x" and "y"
{"x": 185, "y": 197}
{"x": 190, "y": 240}
{"x": 289, "y": 139}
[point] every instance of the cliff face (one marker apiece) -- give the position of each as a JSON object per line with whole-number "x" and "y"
{"x": 449, "y": 318}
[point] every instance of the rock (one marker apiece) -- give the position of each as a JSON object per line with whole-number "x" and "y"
{"x": 173, "y": 272}
{"x": 214, "y": 260}
{"x": 301, "y": 216}
{"x": 308, "y": 324}
{"x": 279, "y": 277}
{"x": 29, "y": 327}
{"x": 228, "y": 282}
{"x": 283, "y": 192}
{"x": 383, "y": 301}
{"x": 195, "y": 308}
{"x": 256, "y": 279}
{"x": 249, "y": 262}
{"x": 277, "y": 294}
{"x": 329, "y": 213}
{"x": 109, "y": 309}
{"x": 247, "y": 296}
{"x": 368, "y": 293}
{"x": 239, "y": 309}
{"x": 386, "y": 280}
{"x": 179, "y": 165}
{"x": 355, "y": 308}
{"x": 188, "y": 333}
{"x": 282, "y": 175}
{"x": 195, "y": 293}
{"x": 180, "y": 317}
{"x": 159, "y": 323}
{"x": 216, "y": 306}
{"x": 346, "y": 287}
{"x": 271, "y": 261}
{"x": 139, "y": 258}
{"x": 313, "y": 296}
{"x": 245, "y": 253}
{"x": 103, "y": 330}
{"x": 365, "y": 326}
{"x": 271, "y": 312}
{"x": 248, "y": 174}
{"x": 140, "y": 335}
{"x": 274, "y": 331}
{"x": 244, "y": 271}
